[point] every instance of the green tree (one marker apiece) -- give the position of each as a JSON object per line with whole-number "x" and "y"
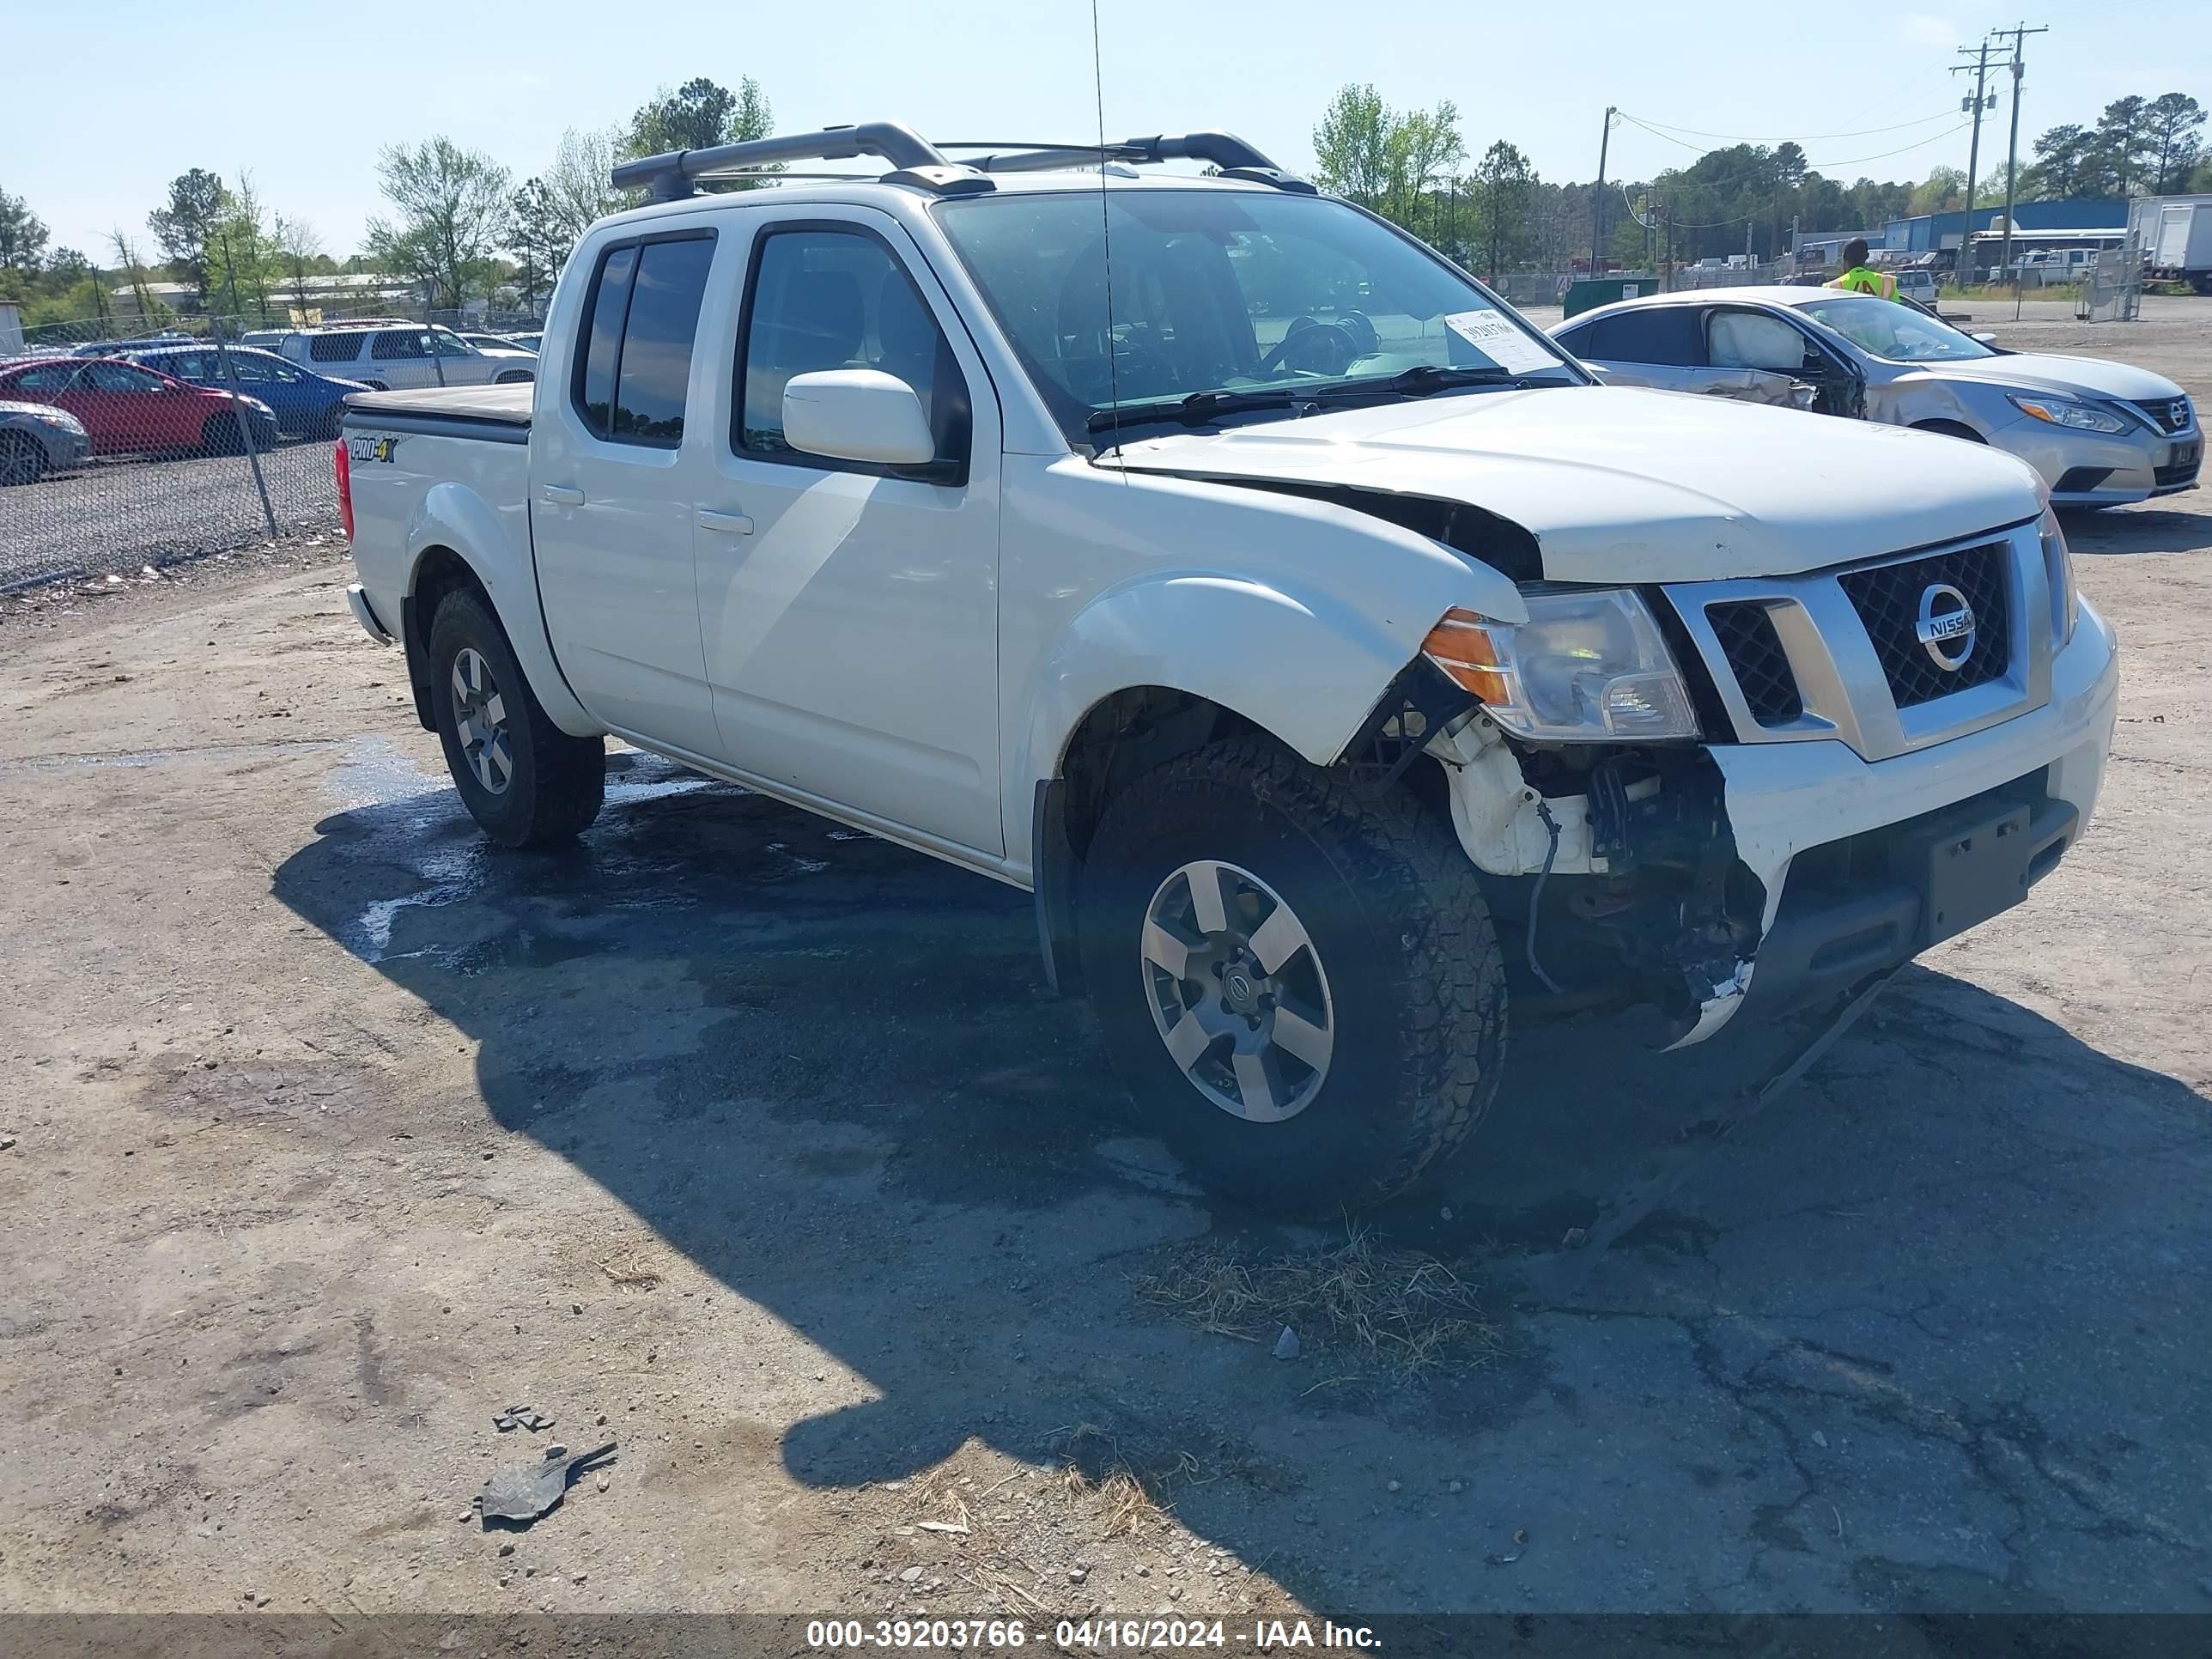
{"x": 197, "y": 202}
{"x": 449, "y": 214}
{"x": 298, "y": 250}
{"x": 22, "y": 234}
{"x": 2122, "y": 141}
{"x": 698, "y": 115}
{"x": 1942, "y": 190}
{"x": 1352, "y": 145}
{"x": 1505, "y": 185}
{"x": 537, "y": 239}
{"x": 242, "y": 257}
{"x": 2174, "y": 135}
{"x": 580, "y": 185}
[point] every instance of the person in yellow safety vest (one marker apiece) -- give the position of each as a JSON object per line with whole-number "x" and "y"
{"x": 1859, "y": 277}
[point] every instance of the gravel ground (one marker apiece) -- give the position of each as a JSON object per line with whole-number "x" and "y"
{"x": 756, "y": 1146}
{"x": 118, "y": 515}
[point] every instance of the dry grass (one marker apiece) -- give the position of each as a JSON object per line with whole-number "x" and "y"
{"x": 1129, "y": 1499}
{"x": 1399, "y": 1312}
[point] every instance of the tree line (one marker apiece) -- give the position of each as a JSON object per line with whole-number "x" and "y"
{"x": 459, "y": 225}
{"x": 1498, "y": 214}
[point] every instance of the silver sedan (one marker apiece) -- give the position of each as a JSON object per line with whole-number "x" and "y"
{"x": 2101, "y": 434}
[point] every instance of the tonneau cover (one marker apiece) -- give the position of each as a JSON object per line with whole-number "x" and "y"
{"x": 509, "y": 405}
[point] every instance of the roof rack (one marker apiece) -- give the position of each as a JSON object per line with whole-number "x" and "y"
{"x": 917, "y": 161}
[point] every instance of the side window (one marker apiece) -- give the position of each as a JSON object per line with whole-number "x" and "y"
{"x": 334, "y": 348}
{"x": 594, "y": 391}
{"x": 443, "y": 344}
{"x": 120, "y": 377}
{"x": 394, "y": 344}
{"x": 250, "y": 369}
{"x": 188, "y": 365}
{"x": 838, "y": 299}
{"x": 635, "y": 367}
{"x": 1755, "y": 339}
{"x": 1667, "y": 335}
{"x": 50, "y": 377}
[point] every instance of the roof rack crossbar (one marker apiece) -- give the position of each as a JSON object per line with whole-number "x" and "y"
{"x": 1225, "y": 150}
{"x": 668, "y": 177}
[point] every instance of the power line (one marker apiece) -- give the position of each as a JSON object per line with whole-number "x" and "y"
{"x": 1811, "y": 167}
{"x": 1751, "y": 138}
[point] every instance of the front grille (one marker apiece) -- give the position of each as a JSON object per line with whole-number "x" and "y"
{"x": 2168, "y": 414}
{"x": 1755, "y": 657}
{"x": 1887, "y": 598}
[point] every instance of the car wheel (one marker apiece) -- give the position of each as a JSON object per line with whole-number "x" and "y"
{"x": 523, "y": 778}
{"x": 221, "y": 436}
{"x": 514, "y": 377}
{"x": 1299, "y": 983}
{"x": 22, "y": 459}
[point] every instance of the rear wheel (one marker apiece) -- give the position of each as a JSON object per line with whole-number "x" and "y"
{"x": 1299, "y": 984}
{"x": 523, "y": 778}
{"x": 22, "y": 458}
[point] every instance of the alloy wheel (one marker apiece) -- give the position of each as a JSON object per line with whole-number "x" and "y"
{"x": 480, "y": 719}
{"x": 1236, "y": 991}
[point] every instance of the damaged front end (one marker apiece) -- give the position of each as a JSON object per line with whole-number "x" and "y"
{"x": 1615, "y": 865}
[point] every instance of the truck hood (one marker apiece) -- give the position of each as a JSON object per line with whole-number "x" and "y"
{"x": 2041, "y": 371}
{"x": 1621, "y": 484}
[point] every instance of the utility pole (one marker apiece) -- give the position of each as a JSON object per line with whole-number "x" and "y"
{"x": 2012, "y": 149}
{"x": 1597, "y": 197}
{"x": 1978, "y": 103}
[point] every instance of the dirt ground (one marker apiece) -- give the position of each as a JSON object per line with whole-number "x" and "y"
{"x": 757, "y": 1146}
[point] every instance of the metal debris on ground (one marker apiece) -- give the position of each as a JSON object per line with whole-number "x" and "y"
{"x": 527, "y": 1491}
{"x": 1287, "y": 1344}
{"x": 520, "y": 1417}
{"x": 1507, "y": 1558}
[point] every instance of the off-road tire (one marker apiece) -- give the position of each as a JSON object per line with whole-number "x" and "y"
{"x": 1398, "y": 922}
{"x": 557, "y": 783}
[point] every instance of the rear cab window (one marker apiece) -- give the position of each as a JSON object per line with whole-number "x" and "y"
{"x": 640, "y": 320}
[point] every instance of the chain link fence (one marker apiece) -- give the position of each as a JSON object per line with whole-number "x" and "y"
{"x": 120, "y": 449}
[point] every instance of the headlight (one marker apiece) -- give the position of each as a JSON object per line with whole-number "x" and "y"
{"x": 2059, "y": 411}
{"x": 1589, "y": 666}
{"x": 60, "y": 417}
{"x": 2058, "y": 572}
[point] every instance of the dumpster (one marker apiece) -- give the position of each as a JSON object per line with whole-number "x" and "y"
{"x": 1587, "y": 292}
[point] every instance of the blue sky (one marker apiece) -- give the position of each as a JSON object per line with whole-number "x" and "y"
{"x": 105, "y": 107}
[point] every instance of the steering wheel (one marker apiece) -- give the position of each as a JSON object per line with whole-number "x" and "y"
{"x": 1316, "y": 347}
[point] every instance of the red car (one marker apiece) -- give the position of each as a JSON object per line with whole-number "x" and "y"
{"x": 126, "y": 410}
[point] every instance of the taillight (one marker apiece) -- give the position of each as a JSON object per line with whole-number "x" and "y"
{"x": 342, "y": 463}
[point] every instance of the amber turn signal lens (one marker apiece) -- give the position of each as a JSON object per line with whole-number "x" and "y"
{"x": 1461, "y": 645}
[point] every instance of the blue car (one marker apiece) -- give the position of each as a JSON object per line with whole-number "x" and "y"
{"x": 308, "y": 404}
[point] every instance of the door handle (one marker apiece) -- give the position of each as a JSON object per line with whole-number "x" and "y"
{"x": 727, "y": 524}
{"x": 561, "y": 495}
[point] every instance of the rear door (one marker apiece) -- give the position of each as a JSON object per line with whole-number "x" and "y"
{"x": 848, "y": 609}
{"x": 619, "y": 459}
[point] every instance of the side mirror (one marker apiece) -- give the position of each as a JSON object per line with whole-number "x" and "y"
{"x": 857, "y": 414}
{"x": 1985, "y": 339}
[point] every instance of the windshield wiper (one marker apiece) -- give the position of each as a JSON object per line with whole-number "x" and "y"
{"x": 1201, "y": 407}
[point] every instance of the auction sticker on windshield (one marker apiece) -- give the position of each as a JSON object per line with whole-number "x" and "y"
{"x": 1492, "y": 334}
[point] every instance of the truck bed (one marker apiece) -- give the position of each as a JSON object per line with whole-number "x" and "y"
{"x": 500, "y": 413}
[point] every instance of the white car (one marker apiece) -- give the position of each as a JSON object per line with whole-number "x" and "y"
{"x": 401, "y": 357}
{"x": 1343, "y": 670}
{"x": 498, "y": 345}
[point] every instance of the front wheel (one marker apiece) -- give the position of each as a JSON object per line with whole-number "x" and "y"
{"x": 22, "y": 459}
{"x": 523, "y": 778}
{"x": 1299, "y": 984}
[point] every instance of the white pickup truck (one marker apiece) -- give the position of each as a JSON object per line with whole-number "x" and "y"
{"x": 1339, "y": 666}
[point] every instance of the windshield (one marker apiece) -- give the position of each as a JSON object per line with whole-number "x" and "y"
{"x": 1903, "y": 334}
{"x": 1216, "y": 291}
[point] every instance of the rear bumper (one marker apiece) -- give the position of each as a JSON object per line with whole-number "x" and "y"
{"x": 365, "y": 614}
{"x": 1846, "y": 850}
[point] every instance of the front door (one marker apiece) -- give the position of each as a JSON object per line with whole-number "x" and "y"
{"x": 849, "y": 610}
{"x": 617, "y": 461}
